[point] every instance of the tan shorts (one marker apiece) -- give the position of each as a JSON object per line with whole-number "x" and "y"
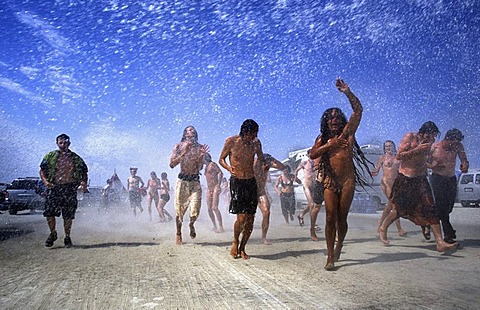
{"x": 188, "y": 194}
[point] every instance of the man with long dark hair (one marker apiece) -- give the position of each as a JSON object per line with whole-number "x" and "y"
{"x": 188, "y": 191}
{"x": 337, "y": 149}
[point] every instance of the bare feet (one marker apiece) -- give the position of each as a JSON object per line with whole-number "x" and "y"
{"x": 402, "y": 232}
{"x": 265, "y": 241}
{"x": 443, "y": 246}
{"x": 383, "y": 236}
{"x": 234, "y": 250}
{"x": 220, "y": 230}
{"x": 178, "y": 240}
{"x": 244, "y": 255}
{"x": 337, "y": 252}
{"x": 193, "y": 234}
{"x": 313, "y": 235}
{"x": 329, "y": 266}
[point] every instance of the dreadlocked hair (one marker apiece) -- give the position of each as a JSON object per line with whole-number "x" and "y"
{"x": 361, "y": 163}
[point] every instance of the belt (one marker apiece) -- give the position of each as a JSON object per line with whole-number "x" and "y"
{"x": 189, "y": 177}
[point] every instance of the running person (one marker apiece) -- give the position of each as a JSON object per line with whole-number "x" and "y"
{"x": 190, "y": 155}
{"x": 336, "y": 148}
{"x": 411, "y": 193}
{"x": 241, "y": 150}
{"x": 261, "y": 169}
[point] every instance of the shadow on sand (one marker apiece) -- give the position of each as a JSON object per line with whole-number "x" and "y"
{"x": 114, "y": 244}
{"x": 8, "y": 233}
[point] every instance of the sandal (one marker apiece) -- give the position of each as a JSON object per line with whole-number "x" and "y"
{"x": 300, "y": 221}
{"x": 426, "y": 232}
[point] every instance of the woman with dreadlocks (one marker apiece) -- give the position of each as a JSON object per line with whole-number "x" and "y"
{"x": 336, "y": 149}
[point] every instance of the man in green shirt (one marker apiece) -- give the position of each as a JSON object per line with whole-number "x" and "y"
{"x": 62, "y": 171}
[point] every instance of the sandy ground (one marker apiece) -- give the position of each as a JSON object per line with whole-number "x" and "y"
{"x": 118, "y": 262}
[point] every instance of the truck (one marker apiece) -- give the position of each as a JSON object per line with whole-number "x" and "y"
{"x": 25, "y": 194}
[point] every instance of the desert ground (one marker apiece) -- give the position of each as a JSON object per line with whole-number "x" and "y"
{"x": 122, "y": 262}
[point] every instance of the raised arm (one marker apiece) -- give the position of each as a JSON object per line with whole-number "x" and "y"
{"x": 275, "y": 163}
{"x": 357, "y": 108}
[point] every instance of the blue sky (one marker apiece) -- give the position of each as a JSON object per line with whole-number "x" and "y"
{"x": 124, "y": 78}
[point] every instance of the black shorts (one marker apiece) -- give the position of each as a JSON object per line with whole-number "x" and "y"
{"x": 165, "y": 197}
{"x": 61, "y": 200}
{"x": 244, "y": 197}
{"x": 318, "y": 192}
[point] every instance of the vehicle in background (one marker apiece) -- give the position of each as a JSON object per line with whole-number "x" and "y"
{"x": 468, "y": 188}
{"x": 3, "y": 196}
{"x": 368, "y": 199}
{"x": 92, "y": 198}
{"x": 25, "y": 194}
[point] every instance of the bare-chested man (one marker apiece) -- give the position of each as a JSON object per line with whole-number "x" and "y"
{"x": 335, "y": 145}
{"x": 261, "y": 169}
{"x": 62, "y": 171}
{"x": 214, "y": 176}
{"x": 241, "y": 150}
{"x": 443, "y": 180}
{"x": 134, "y": 186}
{"x": 188, "y": 191}
{"x": 313, "y": 190}
{"x": 412, "y": 196}
{"x": 389, "y": 164}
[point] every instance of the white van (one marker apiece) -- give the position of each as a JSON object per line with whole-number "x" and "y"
{"x": 366, "y": 200}
{"x": 468, "y": 189}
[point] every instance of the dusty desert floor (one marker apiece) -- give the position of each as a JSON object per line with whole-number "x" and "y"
{"x": 119, "y": 262}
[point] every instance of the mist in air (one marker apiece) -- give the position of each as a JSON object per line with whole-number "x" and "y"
{"x": 124, "y": 78}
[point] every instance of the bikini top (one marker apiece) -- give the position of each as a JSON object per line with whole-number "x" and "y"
{"x": 285, "y": 184}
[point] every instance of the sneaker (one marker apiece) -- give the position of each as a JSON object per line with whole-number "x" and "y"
{"x": 68, "y": 242}
{"x": 449, "y": 240}
{"x": 51, "y": 239}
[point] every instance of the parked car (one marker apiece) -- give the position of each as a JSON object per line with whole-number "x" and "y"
{"x": 3, "y": 196}
{"x": 25, "y": 194}
{"x": 468, "y": 189}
